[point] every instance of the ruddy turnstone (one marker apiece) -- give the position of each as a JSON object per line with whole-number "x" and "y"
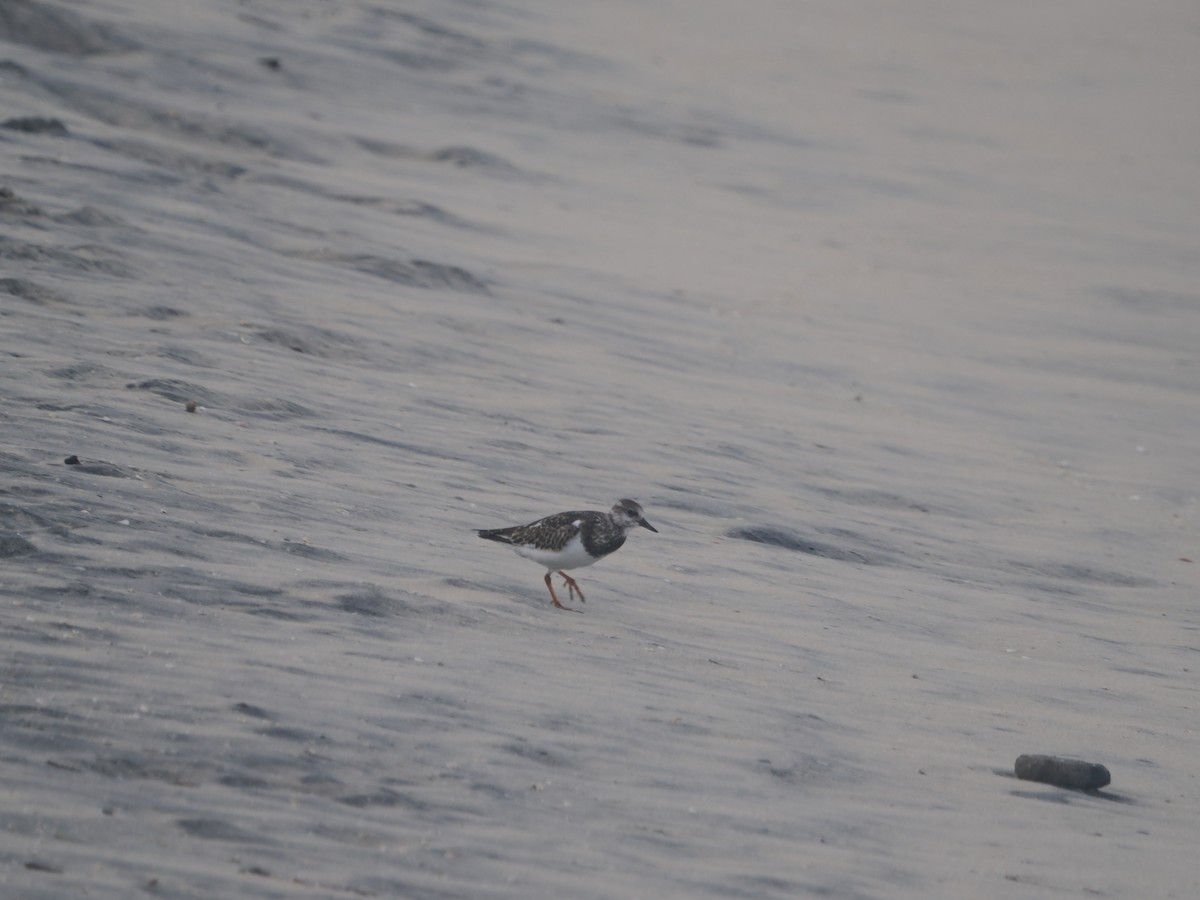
{"x": 569, "y": 540}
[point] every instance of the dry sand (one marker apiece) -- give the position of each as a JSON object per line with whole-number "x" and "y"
{"x": 887, "y": 313}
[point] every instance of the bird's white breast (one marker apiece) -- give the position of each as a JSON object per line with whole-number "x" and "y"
{"x": 572, "y": 556}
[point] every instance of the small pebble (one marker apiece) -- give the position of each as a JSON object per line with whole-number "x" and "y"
{"x": 190, "y": 406}
{"x": 1062, "y": 772}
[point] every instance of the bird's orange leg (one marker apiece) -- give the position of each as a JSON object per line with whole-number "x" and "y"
{"x": 554, "y": 596}
{"x": 572, "y": 586}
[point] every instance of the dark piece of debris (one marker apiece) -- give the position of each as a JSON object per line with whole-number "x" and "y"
{"x": 1062, "y": 772}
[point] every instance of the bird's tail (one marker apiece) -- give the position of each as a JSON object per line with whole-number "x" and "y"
{"x": 500, "y": 535}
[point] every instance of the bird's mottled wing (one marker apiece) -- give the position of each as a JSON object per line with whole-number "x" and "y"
{"x": 550, "y": 533}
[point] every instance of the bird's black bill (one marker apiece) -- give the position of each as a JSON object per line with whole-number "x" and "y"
{"x": 646, "y": 524}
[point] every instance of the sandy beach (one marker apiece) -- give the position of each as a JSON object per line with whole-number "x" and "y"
{"x": 887, "y": 314}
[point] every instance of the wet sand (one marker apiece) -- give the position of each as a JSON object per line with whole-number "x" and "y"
{"x": 889, "y": 318}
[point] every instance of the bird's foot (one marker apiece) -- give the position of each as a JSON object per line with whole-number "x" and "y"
{"x": 554, "y": 596}
{"x": 572, "y": 587}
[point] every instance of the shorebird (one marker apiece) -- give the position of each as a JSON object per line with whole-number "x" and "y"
{"x": 570, "y": 540}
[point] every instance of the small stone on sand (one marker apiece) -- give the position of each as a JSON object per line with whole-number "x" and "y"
{"x": 1062, "y": 772}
